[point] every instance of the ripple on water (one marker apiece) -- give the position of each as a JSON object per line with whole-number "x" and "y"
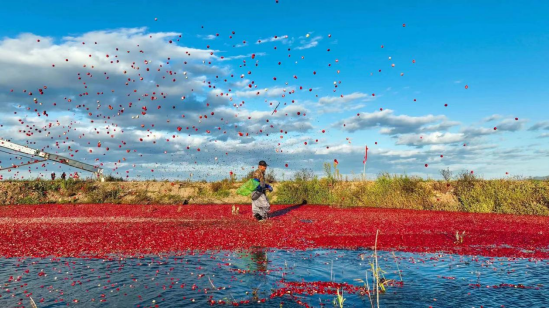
{"x": 263, "y": 277}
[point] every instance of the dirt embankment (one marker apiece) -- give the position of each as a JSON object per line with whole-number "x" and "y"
{"x": 141, "y": 192}
{"x": 503, "y": 196}
{"x": 61, "y": 192}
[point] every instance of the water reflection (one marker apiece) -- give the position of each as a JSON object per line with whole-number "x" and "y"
{"x": 255, "y": 263}
{"x": 251, "y": 277}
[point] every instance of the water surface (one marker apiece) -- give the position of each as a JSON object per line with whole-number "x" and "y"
{"x": 256, "y": 278}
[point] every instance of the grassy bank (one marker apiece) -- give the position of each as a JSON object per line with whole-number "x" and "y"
{"x": 463, "y": 193}
{"x": 467, "y": 194}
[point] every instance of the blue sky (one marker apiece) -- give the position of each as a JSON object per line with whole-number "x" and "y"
{"x": 497, "y": 48}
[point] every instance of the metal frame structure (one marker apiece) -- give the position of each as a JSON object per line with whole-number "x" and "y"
{"x": 50, "y": 156}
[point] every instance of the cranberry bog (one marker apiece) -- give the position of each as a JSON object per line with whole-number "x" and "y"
{"x": 106, "y": 255}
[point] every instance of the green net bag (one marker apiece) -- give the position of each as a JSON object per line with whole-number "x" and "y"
{"x": 248, "y": 187}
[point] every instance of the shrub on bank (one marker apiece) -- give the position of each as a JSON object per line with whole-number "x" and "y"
{"x": 465, "y": 193}
{"x": 389, "y": 191}
{"x": 503, "y": 196}
{"x": 315, "y": 191}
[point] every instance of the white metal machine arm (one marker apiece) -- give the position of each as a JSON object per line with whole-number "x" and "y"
{"x": 50, "y": 156}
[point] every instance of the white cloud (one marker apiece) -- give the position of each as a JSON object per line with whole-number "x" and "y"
{"x": 27, "y": 65}
{"x": 270, "y": 92}
{"x": 474, "y": 132}
{"x": 343, "y": 98}
{"x": 272, "y": 39}
{"x": 492, "y": 117}
{"x": 309, "y": 43}
{"x": 393, "y": 124}
{"x": 543, "y": 125}
{"x": 429, "y": 139}
{"x": 207, "y": 37}
{"x": 242, "y": 56}
{"x": 24, "y": 61}
{"x": 510, "y": 125}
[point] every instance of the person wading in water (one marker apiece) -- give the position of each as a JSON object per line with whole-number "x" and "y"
{"x": 260, "y": 204}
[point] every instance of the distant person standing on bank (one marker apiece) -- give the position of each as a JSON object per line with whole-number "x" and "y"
{"x": 260, "y": 204}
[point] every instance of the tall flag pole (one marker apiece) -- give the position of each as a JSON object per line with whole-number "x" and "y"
{"x": 365, "y": 162}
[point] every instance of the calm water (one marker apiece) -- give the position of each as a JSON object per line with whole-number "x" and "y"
{"x": 190, "y": 280}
